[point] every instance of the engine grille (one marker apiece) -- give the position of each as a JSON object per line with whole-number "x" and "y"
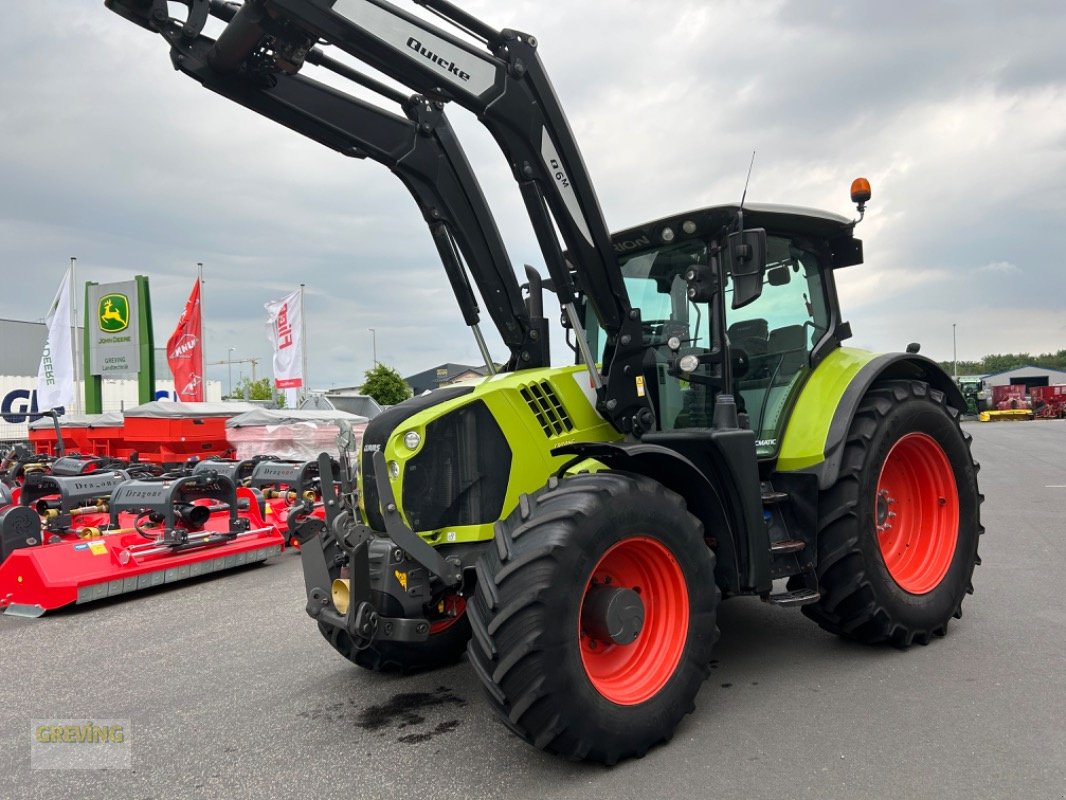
{"x": 547, "y": 408}
{"x": 377, "y": 433}
{"x": 460, "y": 475}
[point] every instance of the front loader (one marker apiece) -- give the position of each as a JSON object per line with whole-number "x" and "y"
{"x": 715, "y": 438}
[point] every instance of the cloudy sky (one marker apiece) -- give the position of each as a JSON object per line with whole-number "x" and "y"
{"x": 955, "y": 111}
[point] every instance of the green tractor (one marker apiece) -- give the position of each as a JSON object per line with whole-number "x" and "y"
{"x": 972, "y": 388}
{"x": 573, "y": 529}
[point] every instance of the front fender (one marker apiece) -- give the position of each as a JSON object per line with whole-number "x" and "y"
{"x": 679, "y": 474}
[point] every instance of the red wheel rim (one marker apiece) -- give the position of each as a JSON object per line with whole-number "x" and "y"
{"x": 916, "y": 513}
{"x": 453, "y": 607}
{"x": 630, "y": 674}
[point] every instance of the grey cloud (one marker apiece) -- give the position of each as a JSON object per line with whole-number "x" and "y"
{"x": 108, "y": 155}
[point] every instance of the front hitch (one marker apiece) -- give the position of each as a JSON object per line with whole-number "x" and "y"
{"x": 348, "y": 603}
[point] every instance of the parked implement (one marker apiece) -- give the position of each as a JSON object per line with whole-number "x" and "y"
{"x": 97, "y": 532}
{"x": 1049, "y": 402}
{"x": 581, "y": 524}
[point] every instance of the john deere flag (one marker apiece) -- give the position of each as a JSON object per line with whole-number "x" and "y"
{"x": 185, "y": 351}
{"x": 55, "y": 376}
{"x": 283, "y": 330}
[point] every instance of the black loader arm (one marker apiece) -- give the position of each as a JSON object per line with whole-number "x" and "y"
{"x": 420, "y": 148}
{"x": 506, "y": 86}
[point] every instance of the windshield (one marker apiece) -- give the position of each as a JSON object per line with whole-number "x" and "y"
{"x": 776, "y": 332}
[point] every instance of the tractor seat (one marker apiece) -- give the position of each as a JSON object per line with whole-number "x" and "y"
{"x": 750, "y": 334}
{"x": 788, "y": 347}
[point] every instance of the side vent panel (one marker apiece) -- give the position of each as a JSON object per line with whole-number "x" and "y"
{"x": 547, "y": 408}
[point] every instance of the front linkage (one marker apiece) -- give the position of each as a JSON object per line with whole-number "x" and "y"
{"x": 399, "y": 573}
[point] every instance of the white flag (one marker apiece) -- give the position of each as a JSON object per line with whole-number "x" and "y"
{"x": 55, "y": 376}
{"x": 283, "y": 331}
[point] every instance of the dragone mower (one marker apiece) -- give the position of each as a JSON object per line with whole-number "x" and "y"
{"x": 283, "y": 492}
{"x": 574, "y": 528}
{"x": 78, "y": 529}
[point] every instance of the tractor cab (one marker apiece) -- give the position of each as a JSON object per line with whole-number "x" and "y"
{"x": 780, "y": 318}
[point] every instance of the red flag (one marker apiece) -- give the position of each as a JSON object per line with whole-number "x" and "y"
{"x": 184, "y": 352}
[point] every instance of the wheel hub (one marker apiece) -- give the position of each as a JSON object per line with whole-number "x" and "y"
{"x": 612, "y": 614}
{"x": 884, "y": 515}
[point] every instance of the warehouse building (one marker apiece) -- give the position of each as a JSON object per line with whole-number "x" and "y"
{"x": 1027, "y": 376}
{"x": 443, "y": 375}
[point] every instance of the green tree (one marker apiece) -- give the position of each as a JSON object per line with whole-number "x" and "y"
{"x": 247, "y": 389}
{"x": 1004, "y": 362}
{"x": 385, "y": 385}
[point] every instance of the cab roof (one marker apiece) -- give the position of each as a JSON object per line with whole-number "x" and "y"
{"x": 711, "y": 220}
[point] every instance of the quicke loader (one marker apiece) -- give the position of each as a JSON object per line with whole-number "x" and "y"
{"x": 573, "y": 529}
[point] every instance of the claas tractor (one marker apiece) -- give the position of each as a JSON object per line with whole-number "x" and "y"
{"x": 573, "y": 529}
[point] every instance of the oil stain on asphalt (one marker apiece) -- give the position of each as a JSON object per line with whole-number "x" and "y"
{"x": 405, "y": 711}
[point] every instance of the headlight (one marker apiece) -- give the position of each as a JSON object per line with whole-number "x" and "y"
{"x": 689, "y": 363}
{"x": 412, "y": 440}
{"x": 394, "y": 469}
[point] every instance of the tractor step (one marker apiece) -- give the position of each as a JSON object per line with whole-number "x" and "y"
{"x": 798, "y": 597}
{"x": 772, "y": 498}
{"x": 787, "y": 546}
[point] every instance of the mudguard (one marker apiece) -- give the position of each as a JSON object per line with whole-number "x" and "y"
{"x": 814, "y": 438}
{"x": 680, "y": 474}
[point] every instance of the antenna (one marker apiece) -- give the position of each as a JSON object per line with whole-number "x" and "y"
{"x": 747, "y": 180}
{"x": 743, "y": 197}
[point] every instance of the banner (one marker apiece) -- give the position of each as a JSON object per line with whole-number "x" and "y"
{"x": 113, "y": 324}
{"x": 185, "y": 351}
{"x": 55, "y": 376}
{"x": 283, "y": 331}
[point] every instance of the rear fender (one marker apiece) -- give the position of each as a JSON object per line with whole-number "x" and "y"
{"x": 877, "y": 368}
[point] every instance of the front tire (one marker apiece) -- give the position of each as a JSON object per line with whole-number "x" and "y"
{"x": 564, "y": 672}
{"x": 898, "y": 531}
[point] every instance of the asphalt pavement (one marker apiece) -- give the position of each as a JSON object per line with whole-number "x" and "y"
{"x": 231, "y": 693}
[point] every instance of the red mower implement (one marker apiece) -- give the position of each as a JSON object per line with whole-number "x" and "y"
{"x": 76, "y": 539}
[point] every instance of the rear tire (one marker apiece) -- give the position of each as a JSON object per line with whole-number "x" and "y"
{"x": 898, "y": 531}
{"x": 445, "y": 646}
{"x": 558, "y": 686}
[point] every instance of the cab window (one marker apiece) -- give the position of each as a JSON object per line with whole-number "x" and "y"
{"x": 776, "y": 332}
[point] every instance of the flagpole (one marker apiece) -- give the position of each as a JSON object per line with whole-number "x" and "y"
{"x": 303, "y": 343}
{"x": 74, "y": 333}
{"x": 203, "y": 327}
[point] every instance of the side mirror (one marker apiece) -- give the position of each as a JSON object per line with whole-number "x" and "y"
{"x": 778, "y": 276}
{"x": 746, "y": 254}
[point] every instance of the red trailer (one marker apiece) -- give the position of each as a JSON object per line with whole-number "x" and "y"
{"x": 107, "y": 436}
{"x": 75, "y": 429}
{"x": 1049, "y": 402}
{"x": 1009, "y": 398}
{"x": 169, "y": 433}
